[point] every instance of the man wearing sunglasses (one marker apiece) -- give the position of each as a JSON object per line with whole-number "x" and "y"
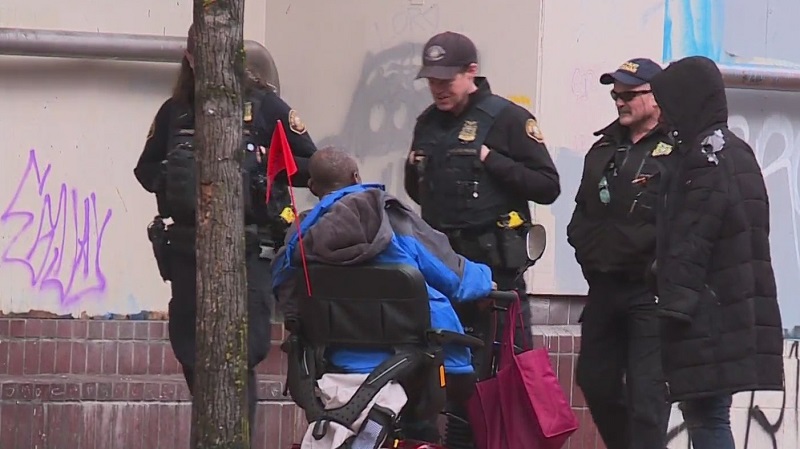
{"x": 619, "y": 365}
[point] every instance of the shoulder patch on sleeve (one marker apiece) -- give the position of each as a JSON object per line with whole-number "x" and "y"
{"x": 295, "y": 123}
{"x": 152, "y": 129}
{"x": 533, "y": 131}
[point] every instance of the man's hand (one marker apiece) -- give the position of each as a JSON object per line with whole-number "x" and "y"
{"x": 484, "y": 304}
{"x": 261, "y": 154}
{"x": 484, "y": 152}
{"x": 413, "y": 158}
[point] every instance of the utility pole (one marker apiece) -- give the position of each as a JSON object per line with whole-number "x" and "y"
{"x": 219, "y": 405}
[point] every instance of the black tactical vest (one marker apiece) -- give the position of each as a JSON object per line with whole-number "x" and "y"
{"x": 455, "y": 190}
{"x": 181, "y": 170}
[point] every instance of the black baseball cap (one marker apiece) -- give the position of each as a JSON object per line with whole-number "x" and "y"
{"x": 633, "y": 72}
{"x": 446, "y": 55}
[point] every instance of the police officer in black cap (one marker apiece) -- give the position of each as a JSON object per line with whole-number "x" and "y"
{"x": 476, "y": 160}
{"x": 619, "y": 366}
{"x": 167, "y": 169}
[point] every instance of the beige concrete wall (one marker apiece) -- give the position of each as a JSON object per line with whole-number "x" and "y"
{"x": 78, "y": 126}
{"x": 72, "y": 230}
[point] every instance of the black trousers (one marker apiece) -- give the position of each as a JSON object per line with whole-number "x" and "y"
{"x": 458, "y": 390}
{"x": 182, "y": 315}
{"x": 619, "y": 365}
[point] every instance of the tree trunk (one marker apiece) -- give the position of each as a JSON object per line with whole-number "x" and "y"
{"x": 219, "y": 405}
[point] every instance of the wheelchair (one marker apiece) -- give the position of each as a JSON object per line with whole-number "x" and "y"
{"x": 356, "y": 309}
{"x": 375, "y": 307}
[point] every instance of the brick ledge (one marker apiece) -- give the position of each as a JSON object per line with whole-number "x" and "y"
{"x": 143, "y": 388}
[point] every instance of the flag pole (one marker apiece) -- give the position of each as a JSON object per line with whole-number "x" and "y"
{"x": 281, "y": 158}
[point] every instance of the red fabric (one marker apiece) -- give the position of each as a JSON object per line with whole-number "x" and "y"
{"x": 485, "y": 416}
{"x": 280, "y": 157}
{"x": 524, "y": 406}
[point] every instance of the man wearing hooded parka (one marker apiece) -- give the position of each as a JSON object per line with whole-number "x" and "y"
{"x": 721, "y": 326}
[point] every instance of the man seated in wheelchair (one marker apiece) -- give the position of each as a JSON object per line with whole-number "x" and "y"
{"x": 373, "y": 333}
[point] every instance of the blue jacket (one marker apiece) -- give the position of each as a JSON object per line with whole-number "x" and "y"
{"x": 363, "y": 223}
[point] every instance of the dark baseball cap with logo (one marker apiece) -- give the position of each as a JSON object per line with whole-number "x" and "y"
{"x": 633, "y": 72}
{"x": 446, "y": 55}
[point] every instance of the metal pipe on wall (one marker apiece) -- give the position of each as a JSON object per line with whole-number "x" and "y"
{"x": 138, "y": 47}
{"x": 761, "y": 78}
{"x": 117, "y": 47}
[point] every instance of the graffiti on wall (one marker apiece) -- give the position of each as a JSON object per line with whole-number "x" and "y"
{"x": 56, "y": 234}
{"x": 775, "y": 137}
{"x": 759, "y": 420}
{"x": 732, "y": 32}
{"x": 380, "y": 120}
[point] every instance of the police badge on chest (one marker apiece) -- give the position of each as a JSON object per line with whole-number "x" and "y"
{"x": 469, "y": 131}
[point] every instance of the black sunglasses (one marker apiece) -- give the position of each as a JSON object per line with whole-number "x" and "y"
{"x": 629, "y": 95}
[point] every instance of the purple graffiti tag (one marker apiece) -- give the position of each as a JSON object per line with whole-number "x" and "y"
{"x": 64, "y": 253}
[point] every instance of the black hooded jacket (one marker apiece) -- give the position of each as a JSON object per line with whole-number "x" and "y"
{"x": 716, "y": 287}
{"x": 615, "y": 238}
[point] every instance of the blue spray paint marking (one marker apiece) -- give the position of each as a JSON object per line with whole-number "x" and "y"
{"x": 692, "y": 28}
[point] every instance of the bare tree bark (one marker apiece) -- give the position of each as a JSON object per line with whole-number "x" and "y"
{"x": 219, "y": 405}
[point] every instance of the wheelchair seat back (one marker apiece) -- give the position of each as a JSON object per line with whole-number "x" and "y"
{"x": 364, "y": 306}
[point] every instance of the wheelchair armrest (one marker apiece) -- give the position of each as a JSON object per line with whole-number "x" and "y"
{"x": 442, "y": 337}
{"x": 501, "y": 300}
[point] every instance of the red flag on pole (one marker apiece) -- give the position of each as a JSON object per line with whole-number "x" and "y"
{"x": 281, "y": 158}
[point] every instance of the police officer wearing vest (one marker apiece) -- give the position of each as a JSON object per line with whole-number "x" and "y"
{"x": 167, "y": 169}
{"x": 619, "y": 365}
{"x": 476, "y": 160}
